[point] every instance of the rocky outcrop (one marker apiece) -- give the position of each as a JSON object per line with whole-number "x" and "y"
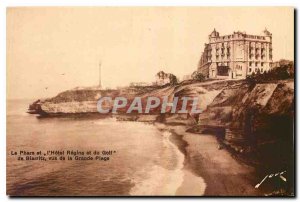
{"x": 258, "y": 122}
{"x": 224, "y": 103}
{"x": 81, "y": 100}
{"x": 238, "y": 104}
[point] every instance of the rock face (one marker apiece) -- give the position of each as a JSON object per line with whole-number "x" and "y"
{"x": 267, "y": 110}
{"x": 251, "y": 108}
{"x": 237, "y": 103}
{"x": 224, "y": 103}
{"x": 83, "y": 100}
{"x": 252, "y": 113}
{"x": 69, "y": 107}
{"x": 258, "y": 122}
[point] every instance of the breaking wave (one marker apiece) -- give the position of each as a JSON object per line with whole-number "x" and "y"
{"x": 159, "y": 180}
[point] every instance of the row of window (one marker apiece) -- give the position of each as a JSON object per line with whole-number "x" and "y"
{"x": 256, "y": 70}
{"x": 257, "y": 57}
{"x": 258, "y": 44}
{"x": 259, "y": 53}
{"x": 241, "y": 35}
{"x": 223, "y": 45}
{"x": 256, "y": 64}
{"x": 255, "y": 37}
{"x": 219, "y": 52}
{"x": 222, "y": 56}
{"x": 240, "y": 66}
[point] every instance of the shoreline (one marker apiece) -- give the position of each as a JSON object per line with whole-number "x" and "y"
{"x": 192, "y": 184}
{"x": 222, "y": 174}
{"x": 208, "y": 169}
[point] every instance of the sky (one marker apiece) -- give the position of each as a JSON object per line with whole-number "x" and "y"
{"x": 52, "y": 49}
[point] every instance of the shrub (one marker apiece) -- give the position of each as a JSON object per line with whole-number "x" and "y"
{"x": 198, "y": 76}
{"x": 285, "y": 71}
{"x": 173, "y": 79}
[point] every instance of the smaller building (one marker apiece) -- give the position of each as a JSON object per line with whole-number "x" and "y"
{"x": 133, "y": 84}
{"x": 187, "y": 77}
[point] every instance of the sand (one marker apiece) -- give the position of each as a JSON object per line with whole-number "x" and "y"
{"x": 211, "y": 171}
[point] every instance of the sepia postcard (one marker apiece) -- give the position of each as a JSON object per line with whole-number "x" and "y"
{"x": 150, "y": 101}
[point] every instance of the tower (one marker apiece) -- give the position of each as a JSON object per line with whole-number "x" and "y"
{"x": 100, "y": 85}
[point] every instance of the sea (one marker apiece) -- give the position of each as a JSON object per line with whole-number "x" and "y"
{"x": 145, "y": 163}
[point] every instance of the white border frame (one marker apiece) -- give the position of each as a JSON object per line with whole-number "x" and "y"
{"x": 12, "y": 3}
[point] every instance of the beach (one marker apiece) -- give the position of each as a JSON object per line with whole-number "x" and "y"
{"x": 222, "y": 174}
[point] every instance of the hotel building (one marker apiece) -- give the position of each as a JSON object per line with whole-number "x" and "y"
{"x": 237, "y": 55}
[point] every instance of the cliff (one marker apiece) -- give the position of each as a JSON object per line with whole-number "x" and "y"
{"x": 231, "y": 104}
{"x": 254, "y": 113}
{"x": 82, "y": 100}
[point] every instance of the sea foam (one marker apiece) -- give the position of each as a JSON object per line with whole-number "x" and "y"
{"x": 161, "y": 181}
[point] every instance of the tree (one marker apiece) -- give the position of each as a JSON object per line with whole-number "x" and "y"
{"x": 198, "y": 76}
{"x": 282, "y": 72}
{"x": 173, "y": 79}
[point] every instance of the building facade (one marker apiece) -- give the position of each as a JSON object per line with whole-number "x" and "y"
{"x": 237, "y": 55}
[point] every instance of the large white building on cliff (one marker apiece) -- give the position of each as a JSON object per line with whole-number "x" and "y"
{"x": 236, "y": 55}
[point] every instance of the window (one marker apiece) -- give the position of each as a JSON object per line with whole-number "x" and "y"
{"x": 239, "y": 67}
{"x": 262, "y": 64}
{"x": 250, "y": 63}
{"x": 256, "y": 64}
{"x": 250, "y": 69}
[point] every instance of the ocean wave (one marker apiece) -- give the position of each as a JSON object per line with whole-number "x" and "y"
{"x": 159, "y": 180}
